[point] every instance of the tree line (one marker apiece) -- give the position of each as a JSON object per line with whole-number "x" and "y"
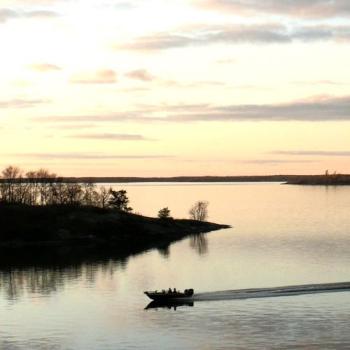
{"x": 198, "y": 212}
{"x": 41, "y": 187}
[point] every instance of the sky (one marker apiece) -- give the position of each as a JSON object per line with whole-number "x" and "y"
{"x": 175, "y": 87}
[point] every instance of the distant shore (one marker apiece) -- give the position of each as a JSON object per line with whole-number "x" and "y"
{"x": 267, "y": 178}
{"x": 321, "y": 180}
{"x": 332, "y": 179}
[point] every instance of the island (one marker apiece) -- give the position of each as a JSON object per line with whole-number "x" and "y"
{"x": 41, "y": 211}
{"x": 50, "y": 233}
{"x": 85, "y": 225}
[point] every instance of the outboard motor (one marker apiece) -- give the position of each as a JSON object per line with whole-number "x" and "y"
{"x": 189, "y": 292}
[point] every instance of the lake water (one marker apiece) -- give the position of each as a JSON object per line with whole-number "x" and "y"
{"x": 280, "y": 235}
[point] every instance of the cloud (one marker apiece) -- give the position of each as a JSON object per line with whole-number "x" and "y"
{"x": 137, "y": 115}
{"x": 317, "y": 109}
{"x": 31, "y": 2}
{"x": 7, "y": 14}
{"x": 109, "y": 136}
{"x": 82, "y": 156}
{"x": 140, "y": 74}
{"x": 227, "y": 60}
{"x": 157, "y": 41}
{"x": 313, "y": 153}
{"x": 124, "y": 5}
{"x": 44, "y": 67}
{"x": 131, "y": 116}
{"x": 103, "y": 76}
{"x": 135, "y": 89}
{"x": 319, "y": 82}
{"x": 38, "y": 5}
{"x": 293, "y": 8}
{"x": 275, "y": 161}
{"x": 40, "y": 14}
{"x": 73, "y": 126}
{"x": 238, "y": 34}
{"x": 193, "y": 84}
{"x": 21, "y": 103}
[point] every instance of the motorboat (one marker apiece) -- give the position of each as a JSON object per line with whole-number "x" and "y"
{"x": 163, "y": 296}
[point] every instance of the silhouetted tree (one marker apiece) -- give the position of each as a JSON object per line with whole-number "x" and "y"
{"x": 119, "y": 200}
{"x": 44, "y": 183}
{"x": 199, "y": 211}
{"x": 9, "y": 187}
{"x": 89, "y": 193}
{"x": 34, "y": 187}
{"x": 103, "y": 199}
{"x": 41, "y": 187}
{"x": 164, "y": 213}
{"x": 59, "y": 193}
{"x": 74, "y": 194}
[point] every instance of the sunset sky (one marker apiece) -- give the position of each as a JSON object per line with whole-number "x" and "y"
{"x": 175, "y": 87}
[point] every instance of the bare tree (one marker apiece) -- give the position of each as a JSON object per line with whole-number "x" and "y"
{"x": 74, "y": 193}
{"x": 41, "y": 187}
{"x": 199, "y": 211}
{"x": 88, "y": 194}
{"x": 59, "y": 193}
{"x": 104, "y": 195}
{"x": 12, "y": 176}
{"x": 33, "y": 183}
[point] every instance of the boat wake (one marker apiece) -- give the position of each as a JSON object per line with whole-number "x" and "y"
{"x": 272, "y": 292}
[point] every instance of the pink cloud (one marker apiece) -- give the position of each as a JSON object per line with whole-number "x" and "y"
{"x": 103, "y": 76}
{"x": 20, "y": 103}
{"x": 44, "y": 67}
{"x": 140, "y": 74}
{"x": 296, "y": 8}
{"x": 8, "y": 14}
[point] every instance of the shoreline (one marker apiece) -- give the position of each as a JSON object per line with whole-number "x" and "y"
{"x": 90, "y": 230}
{"x": 330, "y": 179}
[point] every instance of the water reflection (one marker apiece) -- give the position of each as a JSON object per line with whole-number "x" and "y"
{"x": 164, "y": 251}
{"x": 15, "y": 282}
{"x": 199, "y": 243}
{"x": 168, "y": 304}
{"x": 48, "y": 271}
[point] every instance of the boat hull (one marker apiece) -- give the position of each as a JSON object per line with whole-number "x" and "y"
{"x": 165, "y": 296}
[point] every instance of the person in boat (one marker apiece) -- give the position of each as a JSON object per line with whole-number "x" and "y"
{"x": 174, "y": 290}
{"x": 169, "y": 291}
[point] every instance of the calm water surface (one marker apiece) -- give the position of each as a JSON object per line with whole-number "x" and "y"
{"x": 281, "y": 235}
